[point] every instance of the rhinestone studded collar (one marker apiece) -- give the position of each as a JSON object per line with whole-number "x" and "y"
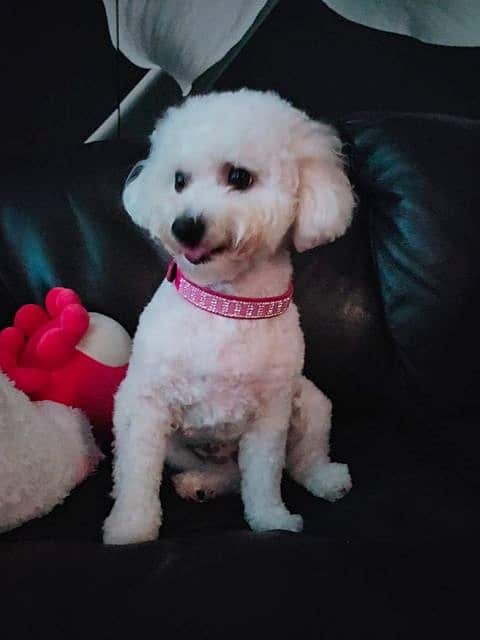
{"x": 222, "y": 304}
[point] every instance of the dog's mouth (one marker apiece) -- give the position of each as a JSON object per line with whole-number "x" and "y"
{"x": 202, "y": 255}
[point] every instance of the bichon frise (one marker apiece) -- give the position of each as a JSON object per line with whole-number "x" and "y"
{"x": 215, "y": 385}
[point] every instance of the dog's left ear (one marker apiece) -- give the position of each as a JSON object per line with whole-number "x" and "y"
{"x": 325, "y": 197}
{"x": 132, "y": 190}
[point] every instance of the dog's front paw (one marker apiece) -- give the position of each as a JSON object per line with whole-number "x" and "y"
{"x": 275, "y": 518}
{"x": 329, "y": 481}
{"x": 132, "y": 525}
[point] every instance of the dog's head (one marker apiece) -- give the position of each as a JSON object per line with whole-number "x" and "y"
{"x": 231, "y": 177}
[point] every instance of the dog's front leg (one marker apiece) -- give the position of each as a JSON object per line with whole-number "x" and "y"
{"x": 141, "y": 430}
{"x": 261, "y": 461}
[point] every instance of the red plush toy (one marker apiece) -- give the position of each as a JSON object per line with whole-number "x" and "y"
{"x": 65, "y": 354}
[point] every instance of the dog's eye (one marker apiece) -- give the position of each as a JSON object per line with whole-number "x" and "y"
{"x": 240, "y": 178}
{"x": 180, "y": 181}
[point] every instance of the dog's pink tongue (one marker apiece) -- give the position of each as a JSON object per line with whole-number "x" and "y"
{"x": 194, "y": 255}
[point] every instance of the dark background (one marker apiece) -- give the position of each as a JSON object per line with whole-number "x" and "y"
{"x": 61, "y": 76}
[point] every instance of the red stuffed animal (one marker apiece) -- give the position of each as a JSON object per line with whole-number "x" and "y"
{"x": 65, "y": 354}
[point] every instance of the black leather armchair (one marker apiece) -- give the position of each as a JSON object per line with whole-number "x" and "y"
{"x": 391, "y": 316}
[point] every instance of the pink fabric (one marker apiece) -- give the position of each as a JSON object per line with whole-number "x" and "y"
{"x": 222, "y": 304}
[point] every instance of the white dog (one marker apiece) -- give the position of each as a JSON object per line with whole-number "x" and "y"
{"x": 230, "y": 181}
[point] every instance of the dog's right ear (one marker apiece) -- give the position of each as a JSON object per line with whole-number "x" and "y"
{"x": 131, "y": 189}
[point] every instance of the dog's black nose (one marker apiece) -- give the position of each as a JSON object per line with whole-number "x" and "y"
{"x": 189, "y": 230}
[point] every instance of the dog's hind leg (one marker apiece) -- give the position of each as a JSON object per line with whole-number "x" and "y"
{"x": 200, "y": 480}
{"x": 308, "y": 461}
{"x": 208, "y": 482}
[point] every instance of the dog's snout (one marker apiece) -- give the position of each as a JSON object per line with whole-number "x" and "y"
{"x": 189, "y": 229}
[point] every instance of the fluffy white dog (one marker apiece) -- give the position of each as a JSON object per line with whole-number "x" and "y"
{"x": 231, "y": 180}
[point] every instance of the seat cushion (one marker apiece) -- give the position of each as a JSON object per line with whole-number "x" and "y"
{"x": 390, "y": 555}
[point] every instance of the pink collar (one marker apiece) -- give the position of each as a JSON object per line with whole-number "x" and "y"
{"x": 222, "y": 304}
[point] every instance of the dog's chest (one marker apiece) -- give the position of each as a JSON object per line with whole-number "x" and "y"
{"x": 216, "y": 370}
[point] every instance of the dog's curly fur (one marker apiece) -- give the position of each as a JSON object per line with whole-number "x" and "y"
{"x": 196, "y": 378}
